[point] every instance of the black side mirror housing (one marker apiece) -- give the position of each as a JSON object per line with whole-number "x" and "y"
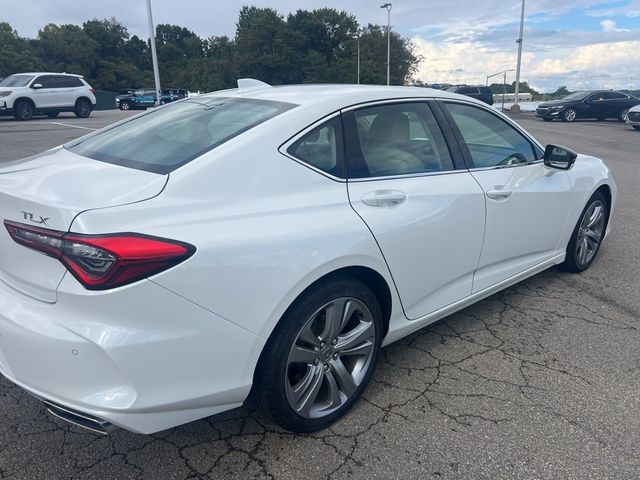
{"x": 559, "y": 157}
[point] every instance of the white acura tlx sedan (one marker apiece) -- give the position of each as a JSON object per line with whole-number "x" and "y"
{"x": 267, "y": 241}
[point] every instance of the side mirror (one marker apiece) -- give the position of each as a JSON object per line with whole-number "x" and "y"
{"x": 559, "y": 157}
{"x": 36, "y": 86}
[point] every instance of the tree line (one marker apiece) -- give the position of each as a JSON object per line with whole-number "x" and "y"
{"x": 317, "y": 46}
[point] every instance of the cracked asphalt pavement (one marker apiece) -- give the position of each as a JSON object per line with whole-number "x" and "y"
{"x": 539, "y": 381}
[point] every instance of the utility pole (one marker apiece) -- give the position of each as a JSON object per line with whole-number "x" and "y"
{"x": 516, "y": 107}
{"x": 388, "y": 7}
{"x": 358, "y": 40}
{"x": 154, "y": 56}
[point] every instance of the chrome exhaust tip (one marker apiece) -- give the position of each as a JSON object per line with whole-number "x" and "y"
{"x": 80, "y": 419}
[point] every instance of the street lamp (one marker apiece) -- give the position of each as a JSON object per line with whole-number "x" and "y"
{"x": 516, "y": 108}
{"x": 388, "y": 7}
{"x": 358, "y": 34}
{"x": 154, "y": 56}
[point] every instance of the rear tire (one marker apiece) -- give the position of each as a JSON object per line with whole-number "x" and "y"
{"x": 82, "y": 108}
{"x": 587, "y": 235}
{"x": 320, "y": 357}
{"x": 23, "y": 110}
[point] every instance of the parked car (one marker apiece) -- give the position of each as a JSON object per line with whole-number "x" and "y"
{"x": 142, "y": 99}
{"x": 633, "y": 117}
{"x": 270, "y": 241}
{"x": 479, "y": 92}
{"x": 599, "y": 104}
{"x": 24, "y": 95}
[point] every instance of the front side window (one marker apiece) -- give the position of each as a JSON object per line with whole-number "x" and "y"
{"x": 47, "y": 81}
{"x": 169, "y": 137}
{"x": 321, "y": 147}
{"x": 491, "y": 141}
{"x": 397, "y": 139}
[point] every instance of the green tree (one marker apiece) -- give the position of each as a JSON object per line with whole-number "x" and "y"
{"x": 17, "y": 54}
{"x": 66, "y": 48}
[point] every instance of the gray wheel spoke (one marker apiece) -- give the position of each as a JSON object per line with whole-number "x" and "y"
{"x": 594, "y": 236}
{"x": 351, "y": 340}
{"x": 337, "y": 315}
{"x": 335, "y": 399}
{"x": 306, "y": 335}
{"x": 362, "y": 349}
{"x": 583, "y": 250}
{"x": 302, "y": 355}
{"x": 307, "y": 392}
{"x": 595, "y": 217}
{"x": 344, "y": 379}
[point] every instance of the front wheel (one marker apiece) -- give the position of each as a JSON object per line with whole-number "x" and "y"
{"x": 624, "y": 114}
{"x": 83, "y": 108}
{"x": 321, "y": 356}
{"x": 569, "y": 115}
{"x": 587, "y": 235}
{"x": 23, "y": 110}
{"x": 124, "y": 106}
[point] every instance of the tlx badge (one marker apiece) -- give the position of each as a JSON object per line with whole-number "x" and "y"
{"x": 32, "y": 218}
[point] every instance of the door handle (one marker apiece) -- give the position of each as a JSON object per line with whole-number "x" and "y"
{"x": 384, "y": 198}
{"x": 499, "y": 194}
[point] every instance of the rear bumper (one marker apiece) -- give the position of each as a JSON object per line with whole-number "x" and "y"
{"x": 140, "y": 358}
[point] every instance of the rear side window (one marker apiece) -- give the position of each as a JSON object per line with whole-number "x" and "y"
{"x": 68, "y": 82}
{"x": 322, "y": 147}
{"x": 169, "y": 137}
{"x": 397, "y": 139}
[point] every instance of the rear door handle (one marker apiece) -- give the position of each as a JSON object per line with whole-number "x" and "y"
{"x": 499, "y": 194}
{"x": 384, "y": 198}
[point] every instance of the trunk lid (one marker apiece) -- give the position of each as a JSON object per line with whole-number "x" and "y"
{"x": 49, "y": 191}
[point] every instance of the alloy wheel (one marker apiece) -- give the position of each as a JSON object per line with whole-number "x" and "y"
{"x": 330, "y": 357}
{"x": 590, "y": 232}
{"x": 569, "y": 115}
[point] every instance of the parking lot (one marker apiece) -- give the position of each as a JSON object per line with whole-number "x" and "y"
{"x": 540, "y": 381}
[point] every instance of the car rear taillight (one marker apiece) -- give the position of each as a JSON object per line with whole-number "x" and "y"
{"x": 92, "y": 90}
{"x": 101, "y": 262}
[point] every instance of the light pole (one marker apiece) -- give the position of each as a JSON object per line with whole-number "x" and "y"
{"x": 154, "y": 56}
{"x": 358, "y": 33}
{"x": 388, "y": 7}
{"x": 516, "y": 108}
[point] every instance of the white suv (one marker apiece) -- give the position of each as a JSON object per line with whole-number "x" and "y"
{"x": 24, "y": 95}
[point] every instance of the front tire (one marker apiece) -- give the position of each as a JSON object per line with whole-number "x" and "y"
{"x": 569, "y": 115}
{"x": 624, "y": 114}
{"x": 124, "y": 106}
{"x": 321, "y": 356}
{"x": 23, "y": 110}
{"x": 588, "y": 234}
{"x": 82, "y": 108}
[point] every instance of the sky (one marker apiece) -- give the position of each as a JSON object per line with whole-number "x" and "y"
{"x": 581, "y": 44}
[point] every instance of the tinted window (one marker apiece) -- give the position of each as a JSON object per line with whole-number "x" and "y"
{"x": 47, "y": 81}
{"x": 16, "y": 81}
{"x": 322, "y": 147}
{"x": 614, "y": 96}
{"x": 397, "y": 139}
{"x": 68, "y": 82}
{"x": 491, "y": 140}
{"x": 166, "y": 138}
{"x": 467, "y": 91}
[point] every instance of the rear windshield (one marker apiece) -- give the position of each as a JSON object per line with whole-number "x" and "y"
{"x": 169, "y": 137}
{"x": 16, "y": 81}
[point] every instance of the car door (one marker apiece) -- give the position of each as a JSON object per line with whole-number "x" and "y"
{"x": 594, "y": 106}
{"x": 423, "y": 207}
{"x": 68, "y": 90}
{"x": 47, "y": 96}
{"x": 615, "y": 103}
{"x": 527, "y": 204}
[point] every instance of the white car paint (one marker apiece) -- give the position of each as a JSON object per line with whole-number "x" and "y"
{"x": 184, "y": 344}
{"x": 634, "y": 123}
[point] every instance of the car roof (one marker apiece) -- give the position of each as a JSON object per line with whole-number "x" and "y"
{"x": 336, "y": 96}
{"x": 49, "y": 73}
